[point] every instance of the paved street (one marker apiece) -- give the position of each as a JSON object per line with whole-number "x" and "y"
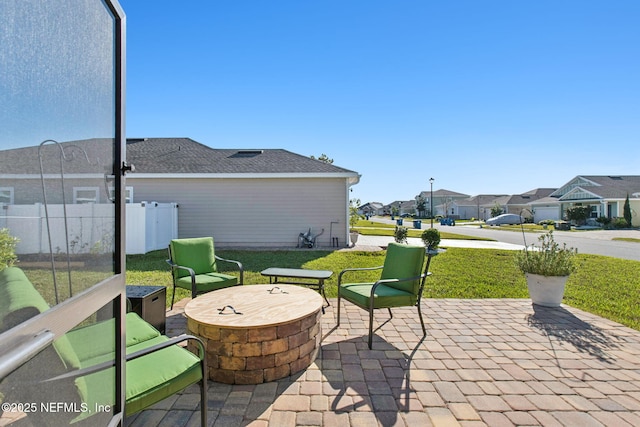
{"x": 597, "y": 242}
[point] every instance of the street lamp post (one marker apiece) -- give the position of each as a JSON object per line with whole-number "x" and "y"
{"x": 431, "y": 200}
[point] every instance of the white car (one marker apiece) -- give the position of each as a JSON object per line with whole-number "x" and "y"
{"x": 505, "y": 219}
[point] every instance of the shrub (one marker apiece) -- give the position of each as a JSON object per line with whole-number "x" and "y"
{"x": 549, "y": 259}
{"x": 7, "y": 249}
{"x": 619, "y": 223}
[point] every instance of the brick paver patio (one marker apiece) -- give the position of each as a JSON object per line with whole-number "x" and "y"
{"x": 483, "y": 363}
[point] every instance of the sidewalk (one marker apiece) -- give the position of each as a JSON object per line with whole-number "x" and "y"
{"x": 380, "y": 241}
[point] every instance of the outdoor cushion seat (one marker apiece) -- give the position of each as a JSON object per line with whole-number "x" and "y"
{"x": 145, "y": 384}
{"x": 401, "y": 283}
{"x": 385, "y": 296}
{"x": 80, "y": 368}
{"x": 194, "y": 266}
{"x": 207, "y": 282}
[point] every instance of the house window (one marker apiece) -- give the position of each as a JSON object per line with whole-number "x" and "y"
{"x": 128, "y": 195}
{"x": 85, "y": 195}
{"x": 6, "y": 195}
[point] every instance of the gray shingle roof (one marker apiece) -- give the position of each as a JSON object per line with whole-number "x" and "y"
{"x": 614, "y": 186}
{"x": 184, "y": 155}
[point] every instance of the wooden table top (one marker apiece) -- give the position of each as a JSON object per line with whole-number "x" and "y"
{"x": 259, "y": 306}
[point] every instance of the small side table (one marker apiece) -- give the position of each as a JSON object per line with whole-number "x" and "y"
{"x": 276, "y": 275}
{"x": 150, "y": 303}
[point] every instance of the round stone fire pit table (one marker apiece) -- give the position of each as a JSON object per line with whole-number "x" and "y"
{"x": 257, "y": 333}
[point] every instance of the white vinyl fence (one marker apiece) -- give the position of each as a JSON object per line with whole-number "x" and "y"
{"x": 150, "y": 226}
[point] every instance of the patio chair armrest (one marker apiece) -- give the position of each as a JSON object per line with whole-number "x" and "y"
{"x": 346, "y": 270}
{"x": 181, "y": 267}
{"x": 175, "y": 266}
{"x": 233, "y": 261}
{"x": 172, "y": 341}
{"x": 385, "y": 281}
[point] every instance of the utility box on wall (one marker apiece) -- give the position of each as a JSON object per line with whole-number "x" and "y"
{"x": 150, "y": 226}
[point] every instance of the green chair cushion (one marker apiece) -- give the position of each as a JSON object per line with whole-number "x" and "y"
{"x": 208, "y": 281}
{"x": 197, "y": 254}
{"x": 385, "y": 296}
{"x": 19, "y": 300}
{"x": 149, "y": 379}
{"x": 86, "y": 345}
{"x": 401, "y": 262}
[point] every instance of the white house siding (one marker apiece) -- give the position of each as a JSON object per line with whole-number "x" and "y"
{"x": 468, "y": 212}
{"x": 250, "y": 212}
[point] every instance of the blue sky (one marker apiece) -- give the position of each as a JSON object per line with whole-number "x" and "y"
{"x": 483, "y": 96}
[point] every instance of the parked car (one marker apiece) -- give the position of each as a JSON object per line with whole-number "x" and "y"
{"x": 505, "y": 219}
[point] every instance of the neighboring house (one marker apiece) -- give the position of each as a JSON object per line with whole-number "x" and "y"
{"x": 84, "y": 164}
{"x": 479, "y": 206}
{"x": 371, "y": 208}
{"x": 605, "y": 195}
{"x": 444, "y": 202}
{"x": 521, "y": 204}
{"x": 398, "y": 207}
{"x": 243, "y": 198}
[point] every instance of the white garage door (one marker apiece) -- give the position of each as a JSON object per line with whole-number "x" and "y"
{"x": 542, "y": 213}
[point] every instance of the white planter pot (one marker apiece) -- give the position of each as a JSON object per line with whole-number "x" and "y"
{"x": 546, "y": 291}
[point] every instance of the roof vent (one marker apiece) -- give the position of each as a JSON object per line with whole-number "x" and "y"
{"x": 247, "y": 153}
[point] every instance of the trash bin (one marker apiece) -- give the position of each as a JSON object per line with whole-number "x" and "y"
{"x": 399, "y": 221}
{"x": 417, "y": 224}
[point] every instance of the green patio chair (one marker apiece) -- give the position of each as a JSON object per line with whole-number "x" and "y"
{"x": 194, "y": 266}
{"x": 400, "y": 285}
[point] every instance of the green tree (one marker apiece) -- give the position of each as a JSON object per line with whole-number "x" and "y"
{"x": 421, "y": 205}
{"x": 627, "y": 211}
{"x": 578, "y": 214}
{"x": 323, "y": 158}
{"x": 496, "y": 210}
{"x": 354, "y": 215}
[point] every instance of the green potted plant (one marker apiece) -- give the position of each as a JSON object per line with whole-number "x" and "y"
{"x": 546, "y": 268}
{"x": 354, "y": 217}
{"x": 431, "y": 239}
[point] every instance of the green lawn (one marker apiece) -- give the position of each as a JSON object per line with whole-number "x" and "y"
{"x": 608, "y": 287}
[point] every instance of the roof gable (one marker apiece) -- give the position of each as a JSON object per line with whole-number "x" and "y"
{"x": 602, "y": 186}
